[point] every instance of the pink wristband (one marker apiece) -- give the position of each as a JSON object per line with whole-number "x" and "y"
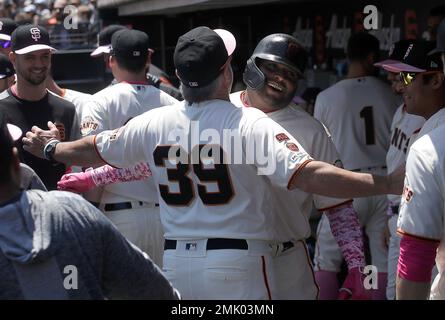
{"x": 417, "y": 258}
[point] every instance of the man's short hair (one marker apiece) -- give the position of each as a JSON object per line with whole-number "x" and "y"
{"x": 360, "y": 45}
{"x": 133, "y": 65}
{"x": 130, "y": 48}
{"x": 199, "y": 94}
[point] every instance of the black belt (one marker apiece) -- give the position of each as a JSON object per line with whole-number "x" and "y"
{"x": 96, "y": 204}
{"x": 214, "y": 244}
{"x": 122, "y": 206}
{"x": 287, "y": 245}
{"x": 395, "y": 209}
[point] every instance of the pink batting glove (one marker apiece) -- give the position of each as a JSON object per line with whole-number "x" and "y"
{"x": 78, "y": 182}
{"x": 353, "y": 288}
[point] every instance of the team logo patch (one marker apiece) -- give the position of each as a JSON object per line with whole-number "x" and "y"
{"x": 407, "y": 194}
{"x": 88, "y": 125}
{"x": 61, "y": 127}
{"x": 191, "y": 246}
{"x": 35, "y": 33}
{"x": 292, "y": 146}
{"x": 114, "y": 134}
{"x": 282, "y": 137}
{"x": 297, "y": 157}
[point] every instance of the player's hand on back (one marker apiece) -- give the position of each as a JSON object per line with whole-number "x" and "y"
{"x": 35, "y": 140}
{"x": 353, "y": 287}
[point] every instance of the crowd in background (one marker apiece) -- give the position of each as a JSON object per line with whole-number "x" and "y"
{"x": 72, "y": 24}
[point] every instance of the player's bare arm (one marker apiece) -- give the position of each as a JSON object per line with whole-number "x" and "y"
{"x": 411, "y": 290}
{"x": 325, "y": 179}
{"x": 80, "y": 152}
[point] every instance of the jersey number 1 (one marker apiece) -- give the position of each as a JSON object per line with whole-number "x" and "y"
{"x": 368, "y": 115}
{"x": 218, "y": 174}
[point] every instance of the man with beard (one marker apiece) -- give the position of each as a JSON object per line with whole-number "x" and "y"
{"x": 271, "y": 76}
{"x": 28, "y": 102}
{"x": 358, "y": 112}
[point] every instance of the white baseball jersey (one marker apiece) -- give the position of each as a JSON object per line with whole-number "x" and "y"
{"x": 229, "y": 199}
{"x": 403, "y": 127}
{"x": 111, "y": 108}
{"x": 293, "y": 208}
{"x": 358, "y": 113}
{"x": 422, "y": 210}
{"x": 79, "y": 99}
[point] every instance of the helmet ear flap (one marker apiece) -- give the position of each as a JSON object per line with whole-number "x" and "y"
{"x": 253, "y": 77}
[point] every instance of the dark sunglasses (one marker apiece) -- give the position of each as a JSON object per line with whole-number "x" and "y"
{"x": 5, "y": 44}
{"x": 408, "y": 77}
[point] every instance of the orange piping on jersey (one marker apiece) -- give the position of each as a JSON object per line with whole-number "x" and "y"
{"x": 417, "y": 130}
{"x": 263, "y": 261}
{"x": 304, "y": 164}
{"x": 63, "y": 92}
{"x": 405, "y": 234}
{"x": 308, "y": 260}
{"x": 335, "y": 206}
{"x": 318, "y": 246}
{"x": 98, "y": 153}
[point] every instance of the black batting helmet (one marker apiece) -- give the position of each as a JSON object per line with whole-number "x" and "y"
{"x": 277, "y": 47}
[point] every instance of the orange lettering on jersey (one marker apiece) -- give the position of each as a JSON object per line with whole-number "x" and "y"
{"x": 61, "y": 127}
{"x": 282, "y": 137}
{"x": 407, "y": 194}
{"x": 292, "y": 146}
{"x": 88, "y": 125}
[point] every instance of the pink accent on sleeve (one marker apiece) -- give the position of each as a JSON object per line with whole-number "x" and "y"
{"x": 346, "y": 229}
{"x": 417, "y": 258}
{"x": 107, "y": 174}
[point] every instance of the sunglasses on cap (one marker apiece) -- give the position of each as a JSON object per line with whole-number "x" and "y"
{"x": 5, "y": 44}
{"x": 408, "y": 77}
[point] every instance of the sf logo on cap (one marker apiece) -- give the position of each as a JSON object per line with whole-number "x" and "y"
{"x": 35, "y": 33}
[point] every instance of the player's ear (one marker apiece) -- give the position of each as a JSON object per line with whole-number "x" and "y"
{"x": 438, "y": 81}
{"x": 111, "y": 60}
{"x": 148, "y": 62}
{"x": 227, "y": 71}
{"x": 12, "y": 57}
{"x": 15, "y": 165}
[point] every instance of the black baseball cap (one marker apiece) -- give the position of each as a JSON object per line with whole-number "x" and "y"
{"x": 416, "y": 59}
{"x": 7, "y": 27}
{"x": 201, "y": 53}
{"x": 395, "y": 54}
{"x": 104, "y": 39}
{"x": 440, "y": 47}
{"x": 29, "y": 38}
{"x": 6, "y": 67}
{"x": 130, "y": 43}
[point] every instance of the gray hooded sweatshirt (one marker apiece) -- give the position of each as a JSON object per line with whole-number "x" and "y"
{"x": 55, "y": 245}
